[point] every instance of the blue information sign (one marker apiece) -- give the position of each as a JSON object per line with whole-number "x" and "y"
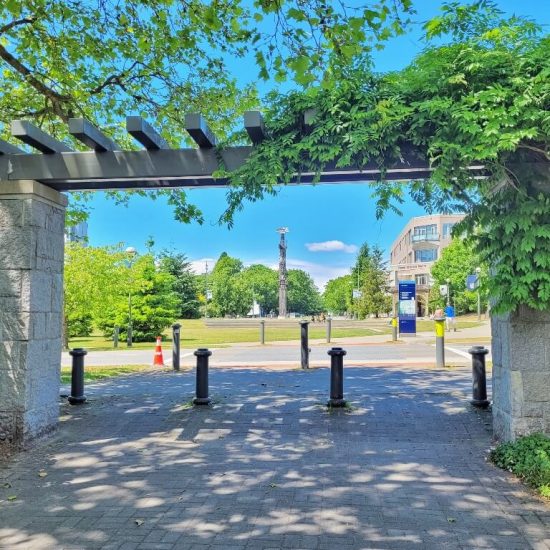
{"x": 471, "y": 282}
{"x": 407, "y": 307}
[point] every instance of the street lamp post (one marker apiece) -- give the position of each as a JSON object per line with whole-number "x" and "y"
{"x": 478, "y": 271}
{"x": 131, "y": 252}
{"x": 448, "y": 291}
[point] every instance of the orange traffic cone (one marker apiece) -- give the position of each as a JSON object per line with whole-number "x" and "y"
{"x": 158, "y": 361}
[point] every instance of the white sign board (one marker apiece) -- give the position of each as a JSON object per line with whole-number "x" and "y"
{"x": 443, "y": 289}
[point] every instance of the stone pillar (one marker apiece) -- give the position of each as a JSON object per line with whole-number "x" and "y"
{"x": 32, "y": 222}
{"x": 521, "y": 373}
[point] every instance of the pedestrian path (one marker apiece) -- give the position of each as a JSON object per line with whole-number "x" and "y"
{"x": 268, "y": 467}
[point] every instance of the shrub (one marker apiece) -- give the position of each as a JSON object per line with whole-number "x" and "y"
{"x": 528, "y": 458}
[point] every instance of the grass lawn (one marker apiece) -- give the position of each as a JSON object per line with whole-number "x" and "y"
{"x": 195, "y": 334}
{"x": 92, "y": 374}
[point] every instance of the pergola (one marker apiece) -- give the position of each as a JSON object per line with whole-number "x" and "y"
{"x": 32, "y": 217}
{"x": 107, "y": 166}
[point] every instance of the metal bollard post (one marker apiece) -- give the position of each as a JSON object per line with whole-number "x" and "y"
{"x": 479, "y": 382}
{"x": 262, "y": 332}
{"x": 329, "y": 329}
{"x": 439, "y": 342}
{"x": 77, "y": 396}
{"x": 115, "y": 337}
{"x": 304, "y": 344}
{"x": 202, "y": 355}
{"x": 336, "y": 377}
{"x": 176, "y": 346}
{"x": 394, "y": 329}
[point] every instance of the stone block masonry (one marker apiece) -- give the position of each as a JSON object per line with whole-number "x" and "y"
{"x": 521, "y": 373}
{"x": 32, "y": 222}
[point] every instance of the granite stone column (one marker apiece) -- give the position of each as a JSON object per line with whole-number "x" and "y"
{"x": 32, "y": 222}
{"x": 521, "y": 373}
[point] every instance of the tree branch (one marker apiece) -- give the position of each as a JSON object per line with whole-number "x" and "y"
{"x": 16, "y": 23}
{"x": 56, "y": 98}
{"x": 536, "y": 149}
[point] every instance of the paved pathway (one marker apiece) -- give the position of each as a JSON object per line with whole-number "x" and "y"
{"x": 268, "y": 467}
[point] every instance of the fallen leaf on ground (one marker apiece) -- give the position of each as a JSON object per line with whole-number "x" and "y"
{"x": 273, "y": 485}
{"x": 451, "y": 520}
{"x": 138, "y": 522}
{"x": 11, "y": 498}
{"x": 42, "y": 473}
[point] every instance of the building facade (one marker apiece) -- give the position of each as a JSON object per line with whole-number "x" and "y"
{"x": 415, "y": 250}
{"x": 77, "y": 233}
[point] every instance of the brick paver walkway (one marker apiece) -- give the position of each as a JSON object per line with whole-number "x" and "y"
{"x": 268, "y": 467}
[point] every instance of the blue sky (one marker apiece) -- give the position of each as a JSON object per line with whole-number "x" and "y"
{"x": 340, "y": 216}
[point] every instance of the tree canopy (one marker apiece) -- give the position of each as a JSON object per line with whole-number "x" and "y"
{"x": 104, "y": 59}
{"x": 338, "y": 295}
{"x": 457, "y": 261}
{"x": 482, "y": 97}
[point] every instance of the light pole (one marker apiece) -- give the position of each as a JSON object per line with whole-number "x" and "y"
{"x": 448, "y": 291}
{"x": 131, "y": 252}
{"x": 478, "y": 271}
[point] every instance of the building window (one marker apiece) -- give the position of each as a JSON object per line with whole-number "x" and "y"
{"x": 425, "y": 229}
{"x": 421, "y": 279}
{"x": 447, "y": 228}
{"x": 425, "y": 233}
{"x": 427, "y": 255}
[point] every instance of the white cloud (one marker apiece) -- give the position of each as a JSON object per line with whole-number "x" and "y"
{"x": 331, "y": 246}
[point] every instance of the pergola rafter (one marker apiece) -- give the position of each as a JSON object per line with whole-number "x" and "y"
{"x": 105, "y": 166}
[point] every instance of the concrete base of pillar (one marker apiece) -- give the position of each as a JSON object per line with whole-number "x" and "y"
{"x": 521, "y": 373}
{"x": 32, "y": 223}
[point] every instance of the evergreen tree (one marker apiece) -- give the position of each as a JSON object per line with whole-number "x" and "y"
{"x": 185, "y": 282}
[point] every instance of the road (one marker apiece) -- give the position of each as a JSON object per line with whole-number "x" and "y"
{"x": 411, "y": 351}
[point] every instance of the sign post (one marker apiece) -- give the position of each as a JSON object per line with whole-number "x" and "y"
{"x": 407, "y": 308}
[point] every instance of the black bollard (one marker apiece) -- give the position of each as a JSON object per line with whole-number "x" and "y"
{"x": 337, "y": 377}
{"x": 176, "y": 346}
{"x": 202, "y": 355}
{"x": 304, "y": 344}
{"x": 115, "y": 337}
{"x": 77, "y": 396}
{"x": 479, "y": 380}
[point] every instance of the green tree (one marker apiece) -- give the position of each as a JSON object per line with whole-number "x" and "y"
{"x": 457, "y": 261}
{"x": 93, "y": 279}
{"x": 160, "y": 58}
{"x": 337, "y": 297}
{"x": 476, "y": 95}
{"x": 155, "y": 305}
{"x": 185, "y": 282}
{"x": 371, "y": 277}
{"x": 303, "y": 296}
{"x": 263, "y": 284}
{"x": 230, "y": 296}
